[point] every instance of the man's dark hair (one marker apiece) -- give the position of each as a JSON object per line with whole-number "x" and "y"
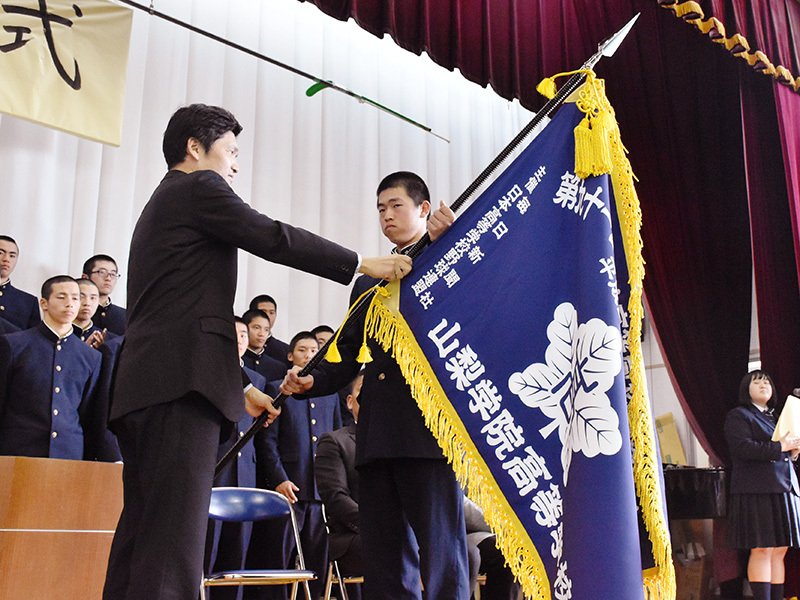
{"x": 263, "y": 298}
{"x": 47, "y": 286}
{"x": 8, "y": 238}
{"x": 239, "y": 320}
{"x": 251, "y": 314}
{"x": 412, "y": 183}
{"x": 89, "y": 265}
{"x": 321, "y": 329}
{"x": 303, "y": 335}
{"x": 744, "y": 388}
{"x": 202, "y": 122}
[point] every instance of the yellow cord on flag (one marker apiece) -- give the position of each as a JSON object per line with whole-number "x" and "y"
{"x": 592, "y": 135}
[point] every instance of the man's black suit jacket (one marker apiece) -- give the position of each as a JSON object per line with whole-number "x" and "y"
{"x": 337, "y": 483}
{"x": 180, "y": 335}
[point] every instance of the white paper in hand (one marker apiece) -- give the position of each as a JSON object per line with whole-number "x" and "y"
{"x": 789, "y": 420}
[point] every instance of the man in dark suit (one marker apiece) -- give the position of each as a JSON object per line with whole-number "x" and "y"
{"x": 178, "y": 379}
{"x": 337, "y": 482}
{"x": 412, "y": 517}
{"x": 48, "y": 383}
{"x": 19, "y": 308}
{"x": 103, "y": 271}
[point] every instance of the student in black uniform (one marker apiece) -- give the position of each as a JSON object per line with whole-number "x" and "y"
{"x": 83, "y": 325}
{"x": 48, "y": 380}
{"x": 764, "y": 510}
{"x": 102, "y": 269}
{"x": 411, "y": 510}
{"x": 18, "y": 308}
{"x": 274, "y": 347}
{"x": 227, "y": 542}
{"x": 255, "y": 357}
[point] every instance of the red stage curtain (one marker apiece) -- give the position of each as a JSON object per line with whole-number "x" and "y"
{"x": 686, "y": 123}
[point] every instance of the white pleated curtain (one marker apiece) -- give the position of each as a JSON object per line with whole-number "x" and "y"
{"x": 313, "y": 162}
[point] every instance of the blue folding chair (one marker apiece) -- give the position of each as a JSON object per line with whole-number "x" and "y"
{"x": 250, "y": 504}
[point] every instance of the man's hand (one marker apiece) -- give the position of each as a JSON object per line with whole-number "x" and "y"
{"x": 394, "y": 266}
{"x": 440, "y": 220}
{"x": 256, "y": 402}
{"x": 287, "y": 488}
{"x": 293, "y": 384}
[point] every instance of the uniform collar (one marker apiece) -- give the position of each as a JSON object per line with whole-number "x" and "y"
{"x": 50, "y": 334}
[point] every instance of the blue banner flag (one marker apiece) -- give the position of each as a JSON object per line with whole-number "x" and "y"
{"x": 511, "y": 333}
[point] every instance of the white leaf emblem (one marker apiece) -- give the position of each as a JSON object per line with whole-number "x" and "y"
{"x": 570, "y": 387}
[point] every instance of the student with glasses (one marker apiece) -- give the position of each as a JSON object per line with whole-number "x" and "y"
{"x": 102, "y": 269}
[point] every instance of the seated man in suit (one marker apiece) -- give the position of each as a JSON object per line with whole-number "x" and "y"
{"x": 227, "y": 542}
{"x": 337, "y": 482}
{"x": 274, "y": 347}
{"x": 48, "y": 380}
{"x": 255, "y": 357}
{"x": 287, "y": 451}
{"x": 102, "y": 269}
{"x": 18, "y": 308}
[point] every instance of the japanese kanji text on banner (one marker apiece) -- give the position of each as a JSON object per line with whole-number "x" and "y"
{"x": 63, "y": 64}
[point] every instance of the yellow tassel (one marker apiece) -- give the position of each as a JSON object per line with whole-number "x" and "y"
{"x": 332, "y": 355}
{"x": 364, "y": 355}
{"x": 584, "y": 157}
{"x": 547, "y": 88}
{"x": 601, "y": 143}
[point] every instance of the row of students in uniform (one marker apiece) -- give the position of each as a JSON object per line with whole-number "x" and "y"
{"x": 280, "y": 457}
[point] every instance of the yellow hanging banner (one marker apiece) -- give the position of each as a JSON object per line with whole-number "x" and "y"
{"x": 63, "y": 64}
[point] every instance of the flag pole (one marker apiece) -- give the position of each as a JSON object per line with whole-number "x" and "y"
{"x": 605, "y": 48}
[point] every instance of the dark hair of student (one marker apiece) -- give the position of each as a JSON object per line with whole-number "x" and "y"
{"x": 263, "y": 298}
{"x": 202, "y": 122}
{"x": 47, "y": 286}
{"x": 89, "y": 265}
{"x": 412, "y": 183}
{"x": 744, "y": 387}
{"x": 321, "y": 329}
{"x": 85, "y": 281}
{"x": 303, "y": 335}
{"x": 251, "y": 314}
{"x": 8, "y": 238}
{"x": 239, "y": 320}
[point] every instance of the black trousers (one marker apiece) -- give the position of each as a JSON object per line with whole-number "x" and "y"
{"x": 412, "y": 526}
{"x": 169, "y": 453}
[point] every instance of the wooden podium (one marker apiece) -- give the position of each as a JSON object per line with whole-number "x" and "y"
{"x": 57, "y": 520}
